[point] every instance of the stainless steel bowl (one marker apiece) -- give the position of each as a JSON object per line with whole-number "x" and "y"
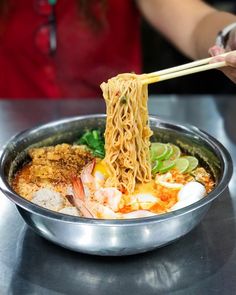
{"x": 114, "y": 237}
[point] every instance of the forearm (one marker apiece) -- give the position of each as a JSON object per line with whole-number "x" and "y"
{"x": 191, "y": 25}
{"x": 206, "y": 30}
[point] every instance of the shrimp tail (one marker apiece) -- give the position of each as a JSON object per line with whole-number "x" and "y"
{"x": 89, "y": 167}
{"x": 86, "y": 174}
{"x": 78, "y": 198}
{"x": 70, "y": 198}
{"x": 78, "y": 188}
{"x": 79, "y": 204}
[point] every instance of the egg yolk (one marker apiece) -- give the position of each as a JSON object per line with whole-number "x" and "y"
{"x": 102, "y": 168}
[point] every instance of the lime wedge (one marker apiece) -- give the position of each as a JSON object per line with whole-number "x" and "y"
{"x": 170, "y": 151}
{"x": 176, "y": 152}
{"x": 193, "y": 163}
{"x": 182, "y": 165}
{"x": 156, "y": 166}
{"x": 158, "y": 151}
{"x": 166, "y": 166}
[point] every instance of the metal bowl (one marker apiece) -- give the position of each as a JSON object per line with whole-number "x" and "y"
{"x": 114, "y": 237}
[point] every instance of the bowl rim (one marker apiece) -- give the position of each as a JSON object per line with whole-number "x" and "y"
{"x": 23, "y": 203}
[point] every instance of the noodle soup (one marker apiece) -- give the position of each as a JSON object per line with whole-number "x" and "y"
{"x": 118, "y": 174}
{"x": 69, "y": 179}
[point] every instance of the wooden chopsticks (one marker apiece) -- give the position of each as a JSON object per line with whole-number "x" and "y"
{"x": 185, "y": 69}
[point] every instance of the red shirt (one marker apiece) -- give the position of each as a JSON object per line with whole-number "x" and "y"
{"x": 83, "y": 59}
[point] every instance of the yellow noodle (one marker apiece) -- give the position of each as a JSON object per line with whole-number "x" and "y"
{"x": 127, "y": 134}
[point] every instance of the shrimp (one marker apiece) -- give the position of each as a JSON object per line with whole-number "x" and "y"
{"x": 103, "y": 202}
{"x": 109, "y": 196}
{"x": 101, "y": 211}
{"x": 86, "y": 174}
{"x": 79, "y": 205}
{"x": 106, "y": 196}
{"x": 78, "y": 188}
{"x": 88, "y": 180}
{"x": 94, "y": 208}
{"x": 78, "y": 198}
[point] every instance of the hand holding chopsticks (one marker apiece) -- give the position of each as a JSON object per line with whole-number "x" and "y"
{"x": 185, "y": 69}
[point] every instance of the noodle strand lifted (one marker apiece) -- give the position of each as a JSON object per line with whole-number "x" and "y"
{"x": 127, "y": 134}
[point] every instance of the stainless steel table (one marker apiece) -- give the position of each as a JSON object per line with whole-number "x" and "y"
{"x": 202, "y": 262}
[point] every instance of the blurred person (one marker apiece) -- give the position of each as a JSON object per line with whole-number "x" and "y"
{"x": 201, "y": 83}
{"x": 65, "y": 49}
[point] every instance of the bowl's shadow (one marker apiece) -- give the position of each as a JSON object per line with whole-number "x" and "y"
{"x": 180, "y": 265}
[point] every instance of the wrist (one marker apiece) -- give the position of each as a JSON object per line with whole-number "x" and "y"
{"x": 223, "y": 35}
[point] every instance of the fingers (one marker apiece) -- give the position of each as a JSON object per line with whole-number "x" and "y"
{"x": 216, "y": 50}
{"x": 231, "y": 60}
{"x": 230, "y": 70}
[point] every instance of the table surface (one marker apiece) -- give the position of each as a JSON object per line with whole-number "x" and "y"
{"x": 202, "y": 262}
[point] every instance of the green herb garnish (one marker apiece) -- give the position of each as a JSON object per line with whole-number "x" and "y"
{"x": 95, "y": 141}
